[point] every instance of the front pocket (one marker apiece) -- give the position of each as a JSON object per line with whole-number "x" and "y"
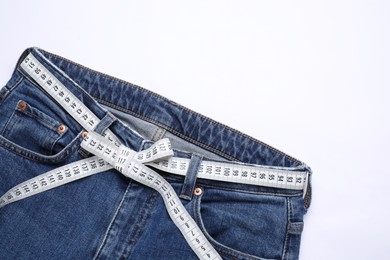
{"x": 243, "y": 225}
{"x": 32, "y": 129}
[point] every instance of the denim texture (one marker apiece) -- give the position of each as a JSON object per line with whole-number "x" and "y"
{"x": 108, "y": 216}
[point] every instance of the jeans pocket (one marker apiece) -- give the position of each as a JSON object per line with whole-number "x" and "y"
{"x": 36, "y": 135}
{"x": 243, "y": 225}
{"x": 33, "y": 129}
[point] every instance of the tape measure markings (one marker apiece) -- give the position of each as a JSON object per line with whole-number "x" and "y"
{"x": 117, "y": 156}
{"x": 159, "y": 150}
{"x": 54, "y": 178}
{"x": 230, "y": 172}
{"x": 77, "y": 170}
{"x": 77, "y": 109}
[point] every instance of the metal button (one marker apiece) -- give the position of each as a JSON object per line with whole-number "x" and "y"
{"x": 61, "y": 129}
{"x": 84, "y": 134}
{"x": 22, "y": 105}
{"x": 197, "y": 191}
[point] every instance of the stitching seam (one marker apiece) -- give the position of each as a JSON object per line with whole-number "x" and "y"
{"x": 287, "y": 239}
{"x": 105, "y": 238}
{"x": 169, "y": 128}
{"x": 172, "y": 102}
{"x": 222, "y": 249}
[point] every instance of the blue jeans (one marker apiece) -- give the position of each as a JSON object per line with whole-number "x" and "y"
{"x": 109, "y": 216}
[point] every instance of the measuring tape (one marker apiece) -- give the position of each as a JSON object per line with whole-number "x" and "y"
{"x": 229, "y": 172}
{"x": 110, "y": 149}
{"x": 75, "y": 108}
{"x": 78, "y": 170}
{"x": 123, "y": 160}
{"x": 57, "y": 177}
{"x": 111, "y": 153}
{"x": 237, "y": 173}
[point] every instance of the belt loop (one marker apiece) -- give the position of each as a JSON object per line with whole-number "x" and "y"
{"x": 190, "y": 179}
{"x": 3, "y": 92}
{"x": 105, "y": 122}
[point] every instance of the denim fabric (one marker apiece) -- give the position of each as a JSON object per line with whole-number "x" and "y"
{"x": 108, "y": 216}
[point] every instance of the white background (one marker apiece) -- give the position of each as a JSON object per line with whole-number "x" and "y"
{"x": 308, "y": 77}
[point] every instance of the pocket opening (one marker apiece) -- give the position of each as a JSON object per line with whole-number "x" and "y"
{"x": 247, "y": 238}
{"x": 70, "y": 149}
{"x": 34, "y": 134}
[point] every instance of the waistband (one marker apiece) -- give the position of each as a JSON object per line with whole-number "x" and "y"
{"x": 149, "y": 106}
{"x": 95, "y": 88}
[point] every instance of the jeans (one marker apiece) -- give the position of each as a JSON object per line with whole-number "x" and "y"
{"x": 110, "y": 216}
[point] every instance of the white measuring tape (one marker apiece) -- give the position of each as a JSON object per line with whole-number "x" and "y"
{"x": 237, "y": 173}
{"x": 230, "y": 172}
{"x": 75, "y": 108}
{"x": 111, "y": 153}
{"x": 124, "y": 159}
{"x": 57, "y": 177}
{"x": 78, "y": 170}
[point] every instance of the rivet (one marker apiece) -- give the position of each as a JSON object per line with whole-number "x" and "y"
{"x": 84, "y": 134}
{"x": 22, "y": 105}
{"x": 197, "y": 191}
{"x": 61, "y": 128}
